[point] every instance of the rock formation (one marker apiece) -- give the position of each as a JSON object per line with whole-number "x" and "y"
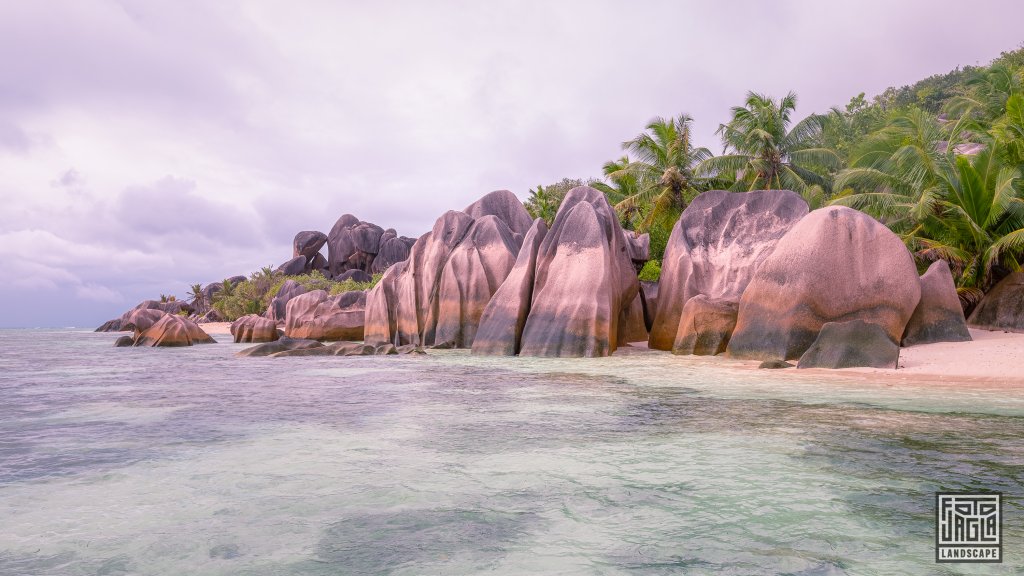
{"x": 938, "y": 316}
{"x": 318, "y": 316}
{"x": 836, "y": 264}
{"x": 715, "y": 248}
{"x": 576, "y": 286}
{"x": 293, "y": 267}
{"x": 1003, "y": 307}
{"x": 153, "y": 327}
{"x": 436, "y": 296}
{"x": 851, "y": 344}
{"x": 705, "y": 326}
{"x": 170, "y": 307}
{"x": 308, "y": 243}
{"x": 356, "y": 245}
{"x": 254, "y": 328}
{"x": 278, "y": 304}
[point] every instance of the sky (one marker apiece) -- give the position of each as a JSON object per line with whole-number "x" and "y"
{"x": 146, "y": 146}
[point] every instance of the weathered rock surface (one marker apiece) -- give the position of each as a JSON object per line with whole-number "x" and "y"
{"x": 471, "y": 275}
{"x": 503, "y": 318}
{"x": 938, "y": 316}
{"x": 170, "y": 307}
{"x": 775, "y": 365}
{"x": 279, "y": 345}
{"x": 638, "y": 246}
{"x": 1003, "y": 307}
{"x": 308, "y": 243}
{"x": 318, "y": 316}
{"x": 705, "y": 326}
{"x": 356, "y": 245}
{"x": 354, "y": 275}
{"x": 254, "y": 328}
{"x": 583, "y": 281}
{"x": 632, "y": 327}
{"x": 649, "y": 293}
{"x": 293, "y": 267}
{"x": 851, "y": 344}
{"x": 278, "y": 308}
{"x": 506, "y": 207}
{"x": 436, "y": 296}
{"x": 715, "y": 248}
{"x": 836, "y": 264}
{"x": 153, "y": 327}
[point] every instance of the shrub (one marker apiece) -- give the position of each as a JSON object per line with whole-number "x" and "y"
{"x": 651, "y": 271}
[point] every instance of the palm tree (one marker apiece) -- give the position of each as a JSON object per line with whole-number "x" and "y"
{"x": 989, "y": 89}
{"x": 966, "y": 210}
{"x": 661, "y": 178}
{"x": 762, "y": 151}
{"x": 621, "y": 185}
{"x": 195, "y": 293}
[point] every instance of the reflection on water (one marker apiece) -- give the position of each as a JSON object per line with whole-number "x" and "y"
{"x": 149, "y": 461}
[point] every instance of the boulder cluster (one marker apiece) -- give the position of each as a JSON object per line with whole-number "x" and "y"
{"x": 754, "y": 275}
{"x": 750, "y": 275}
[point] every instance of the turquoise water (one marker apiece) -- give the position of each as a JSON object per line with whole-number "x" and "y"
{"x": 192, "y": 461}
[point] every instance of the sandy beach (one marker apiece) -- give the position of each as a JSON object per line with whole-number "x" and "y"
{"x": 216, "y": 328}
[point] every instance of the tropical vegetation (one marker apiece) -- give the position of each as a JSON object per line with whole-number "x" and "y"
{"x": 941, "y": 162}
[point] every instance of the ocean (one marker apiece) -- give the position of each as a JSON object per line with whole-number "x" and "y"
{"x": 192, "y": 461}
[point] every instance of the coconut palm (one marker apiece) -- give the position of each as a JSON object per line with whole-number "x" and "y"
{"x": 661, "y": 175}
{"x": 988, "y": 90}
{"x": 762, "y": 151}
{"x": 621, "y": 184}
{"x": 966, "y": 210}
{"x": 197, "y": 297}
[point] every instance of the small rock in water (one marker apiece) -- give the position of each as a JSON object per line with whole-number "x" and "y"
{"x": 774, "y": 364}
{"x": 225, "y": 551}
{"x": 124, "y": 341}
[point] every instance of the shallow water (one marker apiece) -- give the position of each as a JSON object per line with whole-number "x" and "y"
{"x": 192, "y": 461}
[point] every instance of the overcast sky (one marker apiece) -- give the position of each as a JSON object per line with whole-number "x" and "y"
{"x": 145, "y": 146}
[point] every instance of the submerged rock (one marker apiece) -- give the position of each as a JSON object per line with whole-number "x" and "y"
{"x": 775, "y": 365}
{"x": 715, "y": 248}
{"x": 1003, "y": 307}
{"x": 836, "y": 264}
{"x": 705, "y": 326}
{"x": 852, "y": 344}
{"x": 938, "y": 316}
{"x": 280, "y": 345}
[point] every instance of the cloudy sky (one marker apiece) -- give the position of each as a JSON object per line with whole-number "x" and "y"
{"x": 145, "y": 146}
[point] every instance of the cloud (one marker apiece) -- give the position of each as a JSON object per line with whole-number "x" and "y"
{"x": 145, "y": 146}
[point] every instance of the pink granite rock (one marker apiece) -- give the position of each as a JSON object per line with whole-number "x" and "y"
{"x": 318, "y": 316}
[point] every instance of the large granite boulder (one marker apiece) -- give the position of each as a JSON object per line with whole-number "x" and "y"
{"x": 168, "y": 307}
{"x": 1003, "y": 307}
{"x": 583, "y": 281}
{"x": 254, "y": 328}
{"x": 392, "y": 250}
{"x": 715, "y": 248}
{"x": 705, "y": 326}
{"x": 851, "y": 344}
{"x": 638, "y": 246}
{"x": 436, "y": 296}
{"x": 471, "y": 275}
{"x": 506, "y": 207}
{"x": 293, "y": 267}
{"x": 502, "y": 321}
{"x": 308, "y": 243}
{"x": 278, "y": 308}
{"x": 154, "y": 327}
{"x": 632, "y": 325}
{"x": 836, "y": 264}
{"x": 649, "y": 293}
{"x": 356, "y": 275}
{"x": 938, "y": 316}
{"x": 352, "y": 244}
{"x": 317, "y": 315}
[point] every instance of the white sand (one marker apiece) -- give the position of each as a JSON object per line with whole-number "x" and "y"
{"x": 992, "y": 357}
{"x": 212, "y": 328}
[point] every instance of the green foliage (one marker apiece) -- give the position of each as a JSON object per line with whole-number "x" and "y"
{"x": 651, "y": 271}
{"x": 253, "y": 296}
{"x": 544, "y": 201}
